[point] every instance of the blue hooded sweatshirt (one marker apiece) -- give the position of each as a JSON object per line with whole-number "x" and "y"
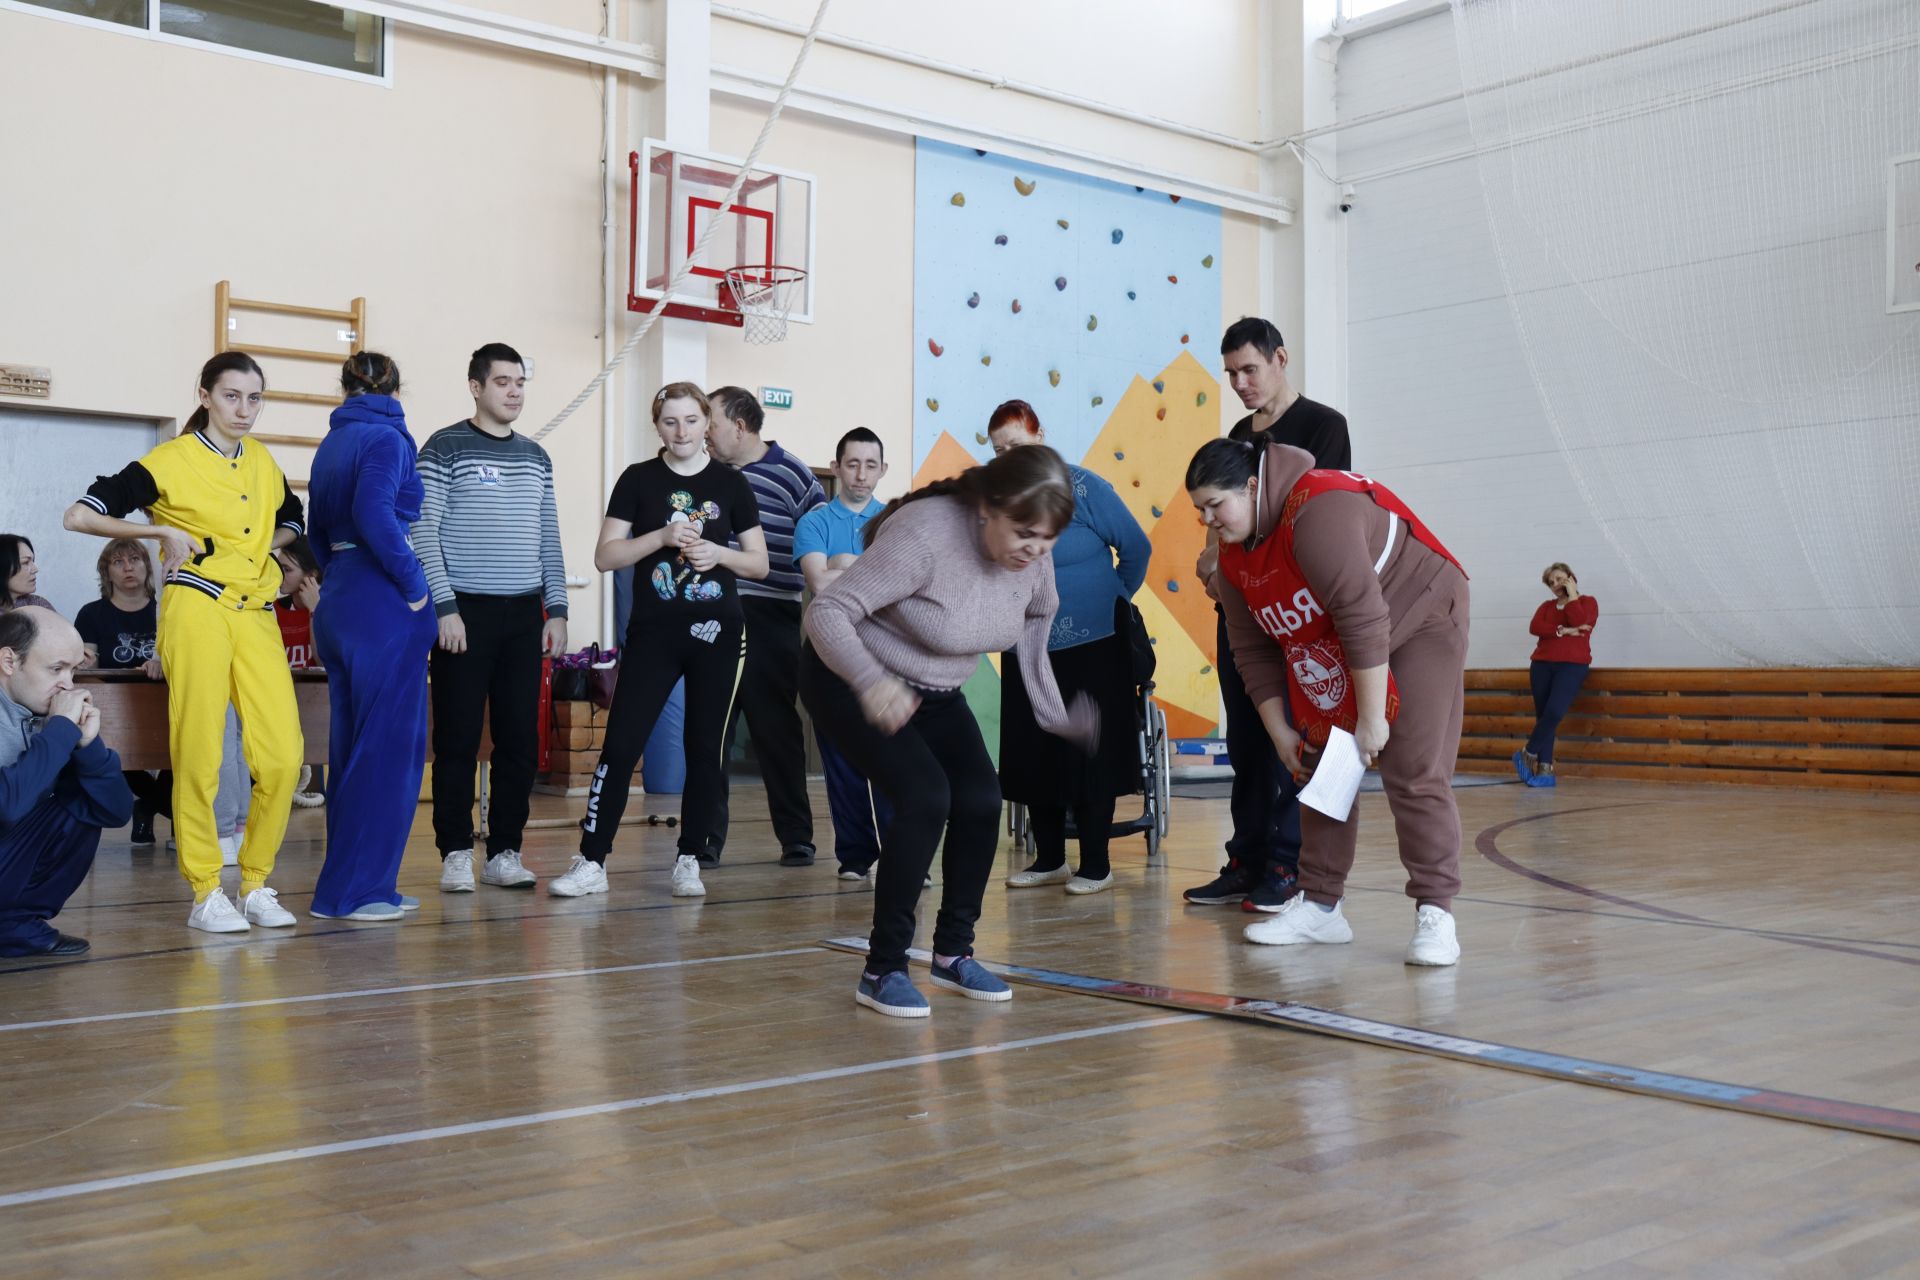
{"x": 365, "y": 490}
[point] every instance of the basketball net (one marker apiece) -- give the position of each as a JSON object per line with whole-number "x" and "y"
{"x": 765, "y": 296}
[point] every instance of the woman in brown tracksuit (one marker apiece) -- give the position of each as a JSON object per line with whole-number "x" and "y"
{"x": 1328, "y": 580}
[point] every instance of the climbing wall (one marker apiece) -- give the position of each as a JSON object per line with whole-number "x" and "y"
{"x": 1099, "y": 304}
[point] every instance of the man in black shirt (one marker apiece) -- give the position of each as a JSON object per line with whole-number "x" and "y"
{"x": 1263, "y": 856}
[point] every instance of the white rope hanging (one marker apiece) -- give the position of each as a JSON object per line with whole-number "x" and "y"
{"x": 700, "y": 246}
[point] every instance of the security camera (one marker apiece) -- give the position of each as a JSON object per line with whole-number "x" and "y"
{"x": 1347, "y": 198}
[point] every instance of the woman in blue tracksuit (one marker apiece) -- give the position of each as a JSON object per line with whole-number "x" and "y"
{"x": 373, "y": 632}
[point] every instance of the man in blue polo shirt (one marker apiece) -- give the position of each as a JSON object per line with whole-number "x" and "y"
{"x": 825, "y": 542}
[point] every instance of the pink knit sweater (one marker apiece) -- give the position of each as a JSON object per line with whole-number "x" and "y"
{"x": 924, "y": 602}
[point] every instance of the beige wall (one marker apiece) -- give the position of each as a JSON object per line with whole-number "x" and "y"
{"x": 464, "y": 204}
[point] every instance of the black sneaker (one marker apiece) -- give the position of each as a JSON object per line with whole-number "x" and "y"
{"x": 1273, "y": 891}
{"x": 142, "y": 830}
{"x": 797, "y": 855}
{"x": 1231, "y": 885}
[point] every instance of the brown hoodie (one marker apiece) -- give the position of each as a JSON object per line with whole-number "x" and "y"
{"x": 1337, "y": 537}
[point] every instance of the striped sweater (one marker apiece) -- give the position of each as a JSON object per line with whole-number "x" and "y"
{"x": 785, "y": 490}
{"x": 489, "y": 525}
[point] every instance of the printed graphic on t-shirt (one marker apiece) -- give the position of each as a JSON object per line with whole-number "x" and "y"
{"x": 486, "y": 473}
{"x": 131, "y": 649}
{"x": 679, "y": 577}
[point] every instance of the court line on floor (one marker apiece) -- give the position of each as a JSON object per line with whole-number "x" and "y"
{"x": 358, "y": 993}
{"x": 1487, "y": 842}
{"x": 412, "y": 1136}
{"x": 308, "y": 934}
{"x": 1832, "y": 1113}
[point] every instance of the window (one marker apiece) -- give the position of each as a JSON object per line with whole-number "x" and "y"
{"x": 294, "y": 32}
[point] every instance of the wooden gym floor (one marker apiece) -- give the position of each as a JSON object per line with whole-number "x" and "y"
{"x": 515, "y": 1085}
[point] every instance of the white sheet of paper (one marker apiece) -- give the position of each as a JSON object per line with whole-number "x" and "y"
{"x": 1336, "y": 777}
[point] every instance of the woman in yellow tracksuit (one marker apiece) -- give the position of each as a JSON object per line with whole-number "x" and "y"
{"x": 219, "y": 506}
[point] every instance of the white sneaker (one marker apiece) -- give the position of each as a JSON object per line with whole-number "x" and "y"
{"x": 456, "y": 872}
{"x": 1032, "y": 878}
{"x": 1301, "y": 921}
{"x": 215, "y": 914}
{"x": 686, "y": 877}
{"x": 1081, "y": 884}
{"x": 230, "y": 851}
{"x": 262, "y": 907}
{"x": 582, "y": 877}
{"x": 503, "y": 870}
{"x": 1433, "y": 942}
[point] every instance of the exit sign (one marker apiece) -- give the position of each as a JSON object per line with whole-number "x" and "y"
{"x": 776, "y": 397}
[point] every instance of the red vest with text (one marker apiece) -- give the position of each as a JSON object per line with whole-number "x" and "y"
{"x": 296, "y": 633}
{"x": 1319, "y": 688}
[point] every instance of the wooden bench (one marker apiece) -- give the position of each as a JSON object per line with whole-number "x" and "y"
{"x": 134, "y": 722}
{"x": 1853, "y": 728}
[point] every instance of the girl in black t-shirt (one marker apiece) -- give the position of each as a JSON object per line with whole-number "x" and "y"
{"x": 686, "y": 622}
{"x": 119, "y": 630}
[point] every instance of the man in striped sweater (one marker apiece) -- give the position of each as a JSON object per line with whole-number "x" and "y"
{"x": 489, "y": 539}
{"x": 770, "y": 684}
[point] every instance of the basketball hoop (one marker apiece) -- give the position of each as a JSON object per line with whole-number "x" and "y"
{"x": 764, "y": 296}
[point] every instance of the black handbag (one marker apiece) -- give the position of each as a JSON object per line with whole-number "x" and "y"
{"x": 587, "y": 675}
{"x": 1128, "y": 621}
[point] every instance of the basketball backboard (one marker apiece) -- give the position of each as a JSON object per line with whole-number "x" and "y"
{"x": 676, "y": 197}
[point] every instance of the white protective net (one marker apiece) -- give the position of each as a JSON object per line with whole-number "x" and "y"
{"x": 1699, "y": 214}
{"x": 765, "y": 296}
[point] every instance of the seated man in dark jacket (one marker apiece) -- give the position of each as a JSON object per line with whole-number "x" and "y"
{"x": 59, "y": 784}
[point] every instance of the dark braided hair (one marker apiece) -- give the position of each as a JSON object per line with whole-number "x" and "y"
{"x": 368, "y": 373}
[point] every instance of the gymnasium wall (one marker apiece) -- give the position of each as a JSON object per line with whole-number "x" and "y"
{"x": 1729, "y": 455}
{"x": 463, "y": 202}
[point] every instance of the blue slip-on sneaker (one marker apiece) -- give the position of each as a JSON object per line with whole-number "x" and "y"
{"x": 970, "y": 978}
{"x": 1520, "y": 766}
{"x": 891, "y": 993}
{"x": 409, "y": 903}
{"x": 1541, "y": 780}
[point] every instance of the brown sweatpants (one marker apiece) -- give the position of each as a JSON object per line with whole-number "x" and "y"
{"x": 1416, "y": 766}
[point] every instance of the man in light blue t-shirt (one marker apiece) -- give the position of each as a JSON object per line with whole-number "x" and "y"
{"x": 825, "y": 541}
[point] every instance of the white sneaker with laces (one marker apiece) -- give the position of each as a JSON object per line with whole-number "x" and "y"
{"x": 582, "y": 877}
{"x": 1434, "y": 942}
{"x": 1301, "y": 921}
{"x": 262, "y": 907}
{"x": 215, "y": 914}
{"x": 456, "y": 871}
{"x": 503, "y": 870}
{"x": 686, "y": 877}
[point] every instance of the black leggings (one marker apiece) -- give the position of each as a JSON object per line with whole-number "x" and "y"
{"x": 936, "y": 773}
{"x": 657, "y": 654}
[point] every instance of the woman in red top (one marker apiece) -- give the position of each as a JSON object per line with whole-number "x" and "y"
{"x": 1560, "y": 663}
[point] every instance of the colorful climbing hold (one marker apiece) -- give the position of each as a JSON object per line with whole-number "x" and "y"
{"x": 1062, "y": 222}
{"x": 1001, "y": 239}
{"x": 1024, "y": 187}
{"x": 1093, "y": 322}
{"x": 1200, "y": 399}
{"x": 986, "y": 359}
{"x": 1159, "y": 384}
{"x": 1205, "y": 668}
{"x": 1157, "y": 512}
{"x": 977, "y": 151}
{"x": 1118, "y": 456}
{"x": 1053, "y": 377}
{"x": 933, "y": 405}
{"x": 979, "y": 437}
{"x": 1162, "y": 414}
{"x": 1172, "y": 585}
{"x": 1207, "y": 261}
{"x": 1016, "y": 306}
{"x": 1118, "y": 235}
{"x": 936, "y": 348}
{"x": 1183, "y": 339}
{"x": 973, "y": 300}
{"x": 1173, "y": 279}
{"x": 1060, "y": 283}
{"x": 1131, "y": 295}
{"x": 1098, "y": 401}
{"x": 959, "y": 200}
{"x": 1174, "y": 198}
{"x": 1136, "y": 484}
